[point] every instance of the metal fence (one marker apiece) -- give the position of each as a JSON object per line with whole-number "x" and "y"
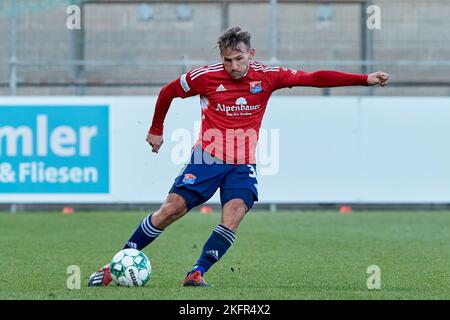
{"x": 134, "y": 47}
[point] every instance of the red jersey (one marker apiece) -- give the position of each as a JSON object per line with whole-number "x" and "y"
{"x": 232, "y": 110}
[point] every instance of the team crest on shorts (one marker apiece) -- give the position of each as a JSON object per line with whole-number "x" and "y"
{"x": 189, "y": 178}
{"x": 255, "y": 87}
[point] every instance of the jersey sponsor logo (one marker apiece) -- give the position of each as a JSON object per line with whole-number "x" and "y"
{"x": 184, "y": 83}
{"x": 189, "y": 178}
{"x": 241, "y": 101}
{"x": 255, "y": 87}
{"x": 240, "y": 105}
{"x": 221, "y": 88}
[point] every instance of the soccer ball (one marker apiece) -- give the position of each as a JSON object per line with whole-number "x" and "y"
{"x": 130, "y": 268}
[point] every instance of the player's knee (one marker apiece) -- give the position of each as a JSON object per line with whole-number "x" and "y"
{"x": 174, "y": 207}
{"x": 236, "y": 206}
{"x": 232, "y": 213}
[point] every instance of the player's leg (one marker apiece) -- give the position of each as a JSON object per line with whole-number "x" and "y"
{"x": 238, "y": 193}
{"x": 182, "y": 197}
{"x": 187, "y": 192}
{"x": 195, "y": 184}
{"x": 234, "y": 211}
{"x": 218, "y": 243}
{"x": 180, "y": 200}
{"x": 173, "y": 208}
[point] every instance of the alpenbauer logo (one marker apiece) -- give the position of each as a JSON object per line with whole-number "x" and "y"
{"x": 57, "y": 149}
{"x": 240, "y": 105}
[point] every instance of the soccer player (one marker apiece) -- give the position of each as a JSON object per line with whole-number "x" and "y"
{"x": 233, "y": 98}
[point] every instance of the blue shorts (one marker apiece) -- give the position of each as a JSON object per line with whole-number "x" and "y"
{"x": 200, "y": 178}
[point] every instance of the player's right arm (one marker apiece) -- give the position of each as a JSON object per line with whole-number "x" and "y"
{"x": 182, "y": 87}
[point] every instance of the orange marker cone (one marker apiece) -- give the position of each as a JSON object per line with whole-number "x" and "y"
{"x": 67, "y": 210}
{"x": 345, "y": 209}
{"x": 206, "y": 210}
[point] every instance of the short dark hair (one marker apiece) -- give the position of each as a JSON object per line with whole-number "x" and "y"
{"x": 231, "y": 38}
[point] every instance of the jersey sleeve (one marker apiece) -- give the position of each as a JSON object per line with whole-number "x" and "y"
{"x": 186, "y": 87}
{"x": 182, "y": 87}
{"x": 288, "y": 78}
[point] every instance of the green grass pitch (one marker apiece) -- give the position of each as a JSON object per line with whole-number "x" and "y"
{"x": 283, "y": 255}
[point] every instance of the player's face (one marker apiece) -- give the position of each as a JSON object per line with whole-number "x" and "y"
{"x": 236, "y": 61}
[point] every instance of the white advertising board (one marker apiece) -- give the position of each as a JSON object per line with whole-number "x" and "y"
{"x": 311, "y": 150}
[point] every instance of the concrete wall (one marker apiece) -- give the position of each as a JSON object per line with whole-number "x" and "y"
{"x": 412, "y": 29}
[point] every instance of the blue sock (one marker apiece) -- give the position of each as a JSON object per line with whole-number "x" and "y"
{"x": 215, "y": 247}
{"x": 144, "y": 234}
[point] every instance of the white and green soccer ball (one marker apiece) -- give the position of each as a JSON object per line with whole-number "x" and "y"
{"x": 130, "y": 268}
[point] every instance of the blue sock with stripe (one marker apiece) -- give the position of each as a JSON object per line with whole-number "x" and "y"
{"x": 215, "y": 247}
{"x": 144, "y": 234}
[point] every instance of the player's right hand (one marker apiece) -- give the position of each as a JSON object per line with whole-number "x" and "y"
{"x": 154, "y": 141}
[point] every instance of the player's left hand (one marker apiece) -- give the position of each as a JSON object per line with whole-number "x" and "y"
{"x": 379, "y": 77}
